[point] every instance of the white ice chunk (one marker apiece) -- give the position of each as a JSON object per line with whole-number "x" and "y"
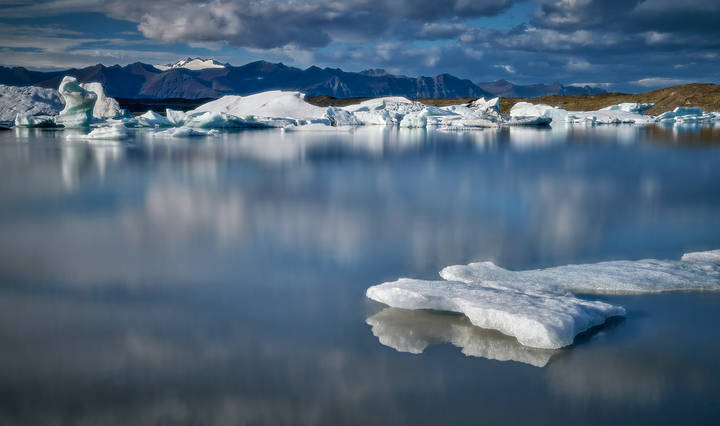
{"x": 635, "y": 107}
{"x": 28, "y": 101}
{"x": 341, "y": 117}
{"x": 490, "y": 105}
{"x": 24, "y": 120}
{"x": 414, "y": 330}
{"x": 538, "y": 320}
{"x": 114, "y": 132}
{"x": 695, "y": 272}
{"x": 79, "y": 104}
{"x": 183, "y": 132}
{"x": 415, "y": 119}
{"x": 176, "y": 118}
{"x": 105, "y": 107}
{"x": 526, "y": 109}
{"x": 152, "y": 119}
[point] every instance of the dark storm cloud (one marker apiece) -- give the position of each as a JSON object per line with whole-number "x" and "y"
{"x": 307, "y": 24}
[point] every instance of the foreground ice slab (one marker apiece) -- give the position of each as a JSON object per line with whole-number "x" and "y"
{"x": 413, "y": 331}
{"x": 696, "y": 272}
{"x": 539, "y": 320}
{"x": 536, "y": 306}
{"x": 79, "y": 104}
{"x": 28, "y": 101}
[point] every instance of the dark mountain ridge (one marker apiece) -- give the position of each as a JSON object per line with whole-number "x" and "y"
{"x": 139, "y": 80}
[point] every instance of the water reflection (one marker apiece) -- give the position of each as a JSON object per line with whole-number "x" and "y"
{"x": 414, "y": 330}
{"x": 221, "y": 280}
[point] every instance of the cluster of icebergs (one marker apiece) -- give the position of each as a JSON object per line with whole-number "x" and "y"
{"x": 624, "y": 113}
{"x": 83, "y": 105}
{"x": 538, "y": 307}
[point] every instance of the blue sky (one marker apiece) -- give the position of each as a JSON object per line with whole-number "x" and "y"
{"x": 629, "y": 45}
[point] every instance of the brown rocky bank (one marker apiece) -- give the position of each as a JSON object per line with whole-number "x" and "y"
{"x": 706, "y": 96}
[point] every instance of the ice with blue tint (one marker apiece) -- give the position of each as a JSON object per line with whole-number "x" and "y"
{"x": 538, "y": 319}
{"x": 79, "y": 104}
{"x": 537, "y": 307}
{"x": 696, "y": 272}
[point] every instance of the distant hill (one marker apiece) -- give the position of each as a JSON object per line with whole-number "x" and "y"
{"x": 195, "y": 78}
{"x": 706, "y": 96}
{"x": 505, "y": 89}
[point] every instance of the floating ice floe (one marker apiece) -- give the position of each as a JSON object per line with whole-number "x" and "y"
{"x": 687, "y": 115}
{"x": 182, "y": 132}
{"x": 610, "y": 115}
{"x": 26, "y": 120}
{"x": 414, "y": 330}
{"x": 79, "y": 104}
{"x": 537, "y": 306}
{"x": 536, "y": 319}
{"x": 113, "y": 132}
{"x": 634, "y": 107}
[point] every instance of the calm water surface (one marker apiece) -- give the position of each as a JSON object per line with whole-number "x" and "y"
{"x": 221, "y": 280}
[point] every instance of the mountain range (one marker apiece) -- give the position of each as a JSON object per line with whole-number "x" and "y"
{"x": 194, "y": 78}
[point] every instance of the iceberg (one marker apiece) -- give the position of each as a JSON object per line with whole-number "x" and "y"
{"x": 414, "y": 330}
{"x": 275, "y": 103}
{"x": 28, "y": 101}
{"x": 536, "y": 319}
{"x": 79, "y": 104}
{"x": 537, "y": 307}
{"x": 525, "y": 111}
{"x": 105, "y": 107}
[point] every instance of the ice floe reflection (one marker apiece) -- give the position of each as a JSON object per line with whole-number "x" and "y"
{"x": 414, "y": 330}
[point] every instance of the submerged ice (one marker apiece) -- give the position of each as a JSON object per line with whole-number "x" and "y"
{"x": 537, "y": 307}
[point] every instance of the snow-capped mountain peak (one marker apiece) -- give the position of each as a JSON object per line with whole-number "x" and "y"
{"x": 194, "y": 64}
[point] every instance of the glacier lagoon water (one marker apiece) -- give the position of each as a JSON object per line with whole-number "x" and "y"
{"x": 222, "y": 280}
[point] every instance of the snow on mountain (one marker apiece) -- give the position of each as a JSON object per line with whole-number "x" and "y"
{"x": 194, "y": 64}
